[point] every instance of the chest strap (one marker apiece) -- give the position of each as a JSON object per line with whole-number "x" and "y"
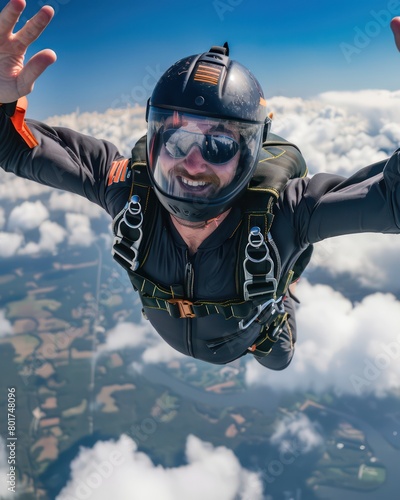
{"x": 155, "y": 297}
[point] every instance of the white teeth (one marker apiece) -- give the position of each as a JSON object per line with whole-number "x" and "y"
{"x": 193, "y": 183}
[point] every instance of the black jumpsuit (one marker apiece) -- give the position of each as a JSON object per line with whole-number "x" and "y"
{"x": 309, "y": 210}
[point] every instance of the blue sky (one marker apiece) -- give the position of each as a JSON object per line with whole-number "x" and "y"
{"x": 110, "y": 53}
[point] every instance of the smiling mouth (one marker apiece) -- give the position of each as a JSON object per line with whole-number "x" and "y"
{"x": 193, "y": 186}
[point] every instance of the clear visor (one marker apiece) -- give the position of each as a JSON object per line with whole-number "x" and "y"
{"x": 198, "y": 158}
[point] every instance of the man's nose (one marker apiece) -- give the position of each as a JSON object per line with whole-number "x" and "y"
{"x": 194, "y": 161}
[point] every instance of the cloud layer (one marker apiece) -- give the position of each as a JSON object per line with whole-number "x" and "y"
{"x": 346, "y": 348}
{"x": 116, "y": 469}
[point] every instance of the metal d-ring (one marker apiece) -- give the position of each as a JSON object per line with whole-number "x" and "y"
{"x": 254, "y": 233}
{"x": 256, "y": 240}
{"x": 134, "y": 208}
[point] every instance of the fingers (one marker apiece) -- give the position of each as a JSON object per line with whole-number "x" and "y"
{"x": 9, "y": 16}
{"x": 395, "y": 25}
{"x": 35, "y": 26}
{"x": 33, "y": 69}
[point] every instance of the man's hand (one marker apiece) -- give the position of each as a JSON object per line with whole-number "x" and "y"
{"x": 395, "y": 25}
{"x": 17, "y": 79}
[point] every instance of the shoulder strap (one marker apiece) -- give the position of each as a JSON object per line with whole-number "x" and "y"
{"x": 259, "y": 265}
{"x": 133, "y": 226}
{"x": 279, "y": 161}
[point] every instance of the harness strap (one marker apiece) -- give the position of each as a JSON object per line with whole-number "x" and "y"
{"x": 261, "y": 262}
{"x": 258, "y": 267}
{"x": 269, "y": 335}
{"x": 133, "y": 226}
{"x": 155, "y": 297}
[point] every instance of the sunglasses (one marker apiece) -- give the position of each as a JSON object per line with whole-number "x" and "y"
{"x": 216, "y": 149}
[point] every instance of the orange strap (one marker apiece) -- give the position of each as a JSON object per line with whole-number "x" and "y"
{"x": 18, "y": 120}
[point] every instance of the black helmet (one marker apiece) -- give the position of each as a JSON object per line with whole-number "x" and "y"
{"x": 206, "y": 123}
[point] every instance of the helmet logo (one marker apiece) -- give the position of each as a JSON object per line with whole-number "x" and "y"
{"x": 207, "y": 73}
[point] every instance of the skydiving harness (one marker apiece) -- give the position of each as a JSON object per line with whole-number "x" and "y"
{"x": 258, "y": 267}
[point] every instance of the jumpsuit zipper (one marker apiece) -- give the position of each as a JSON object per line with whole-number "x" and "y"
{"x": 189, "y": 281}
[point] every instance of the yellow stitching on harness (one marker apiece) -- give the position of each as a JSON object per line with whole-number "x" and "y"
{"x": 273, "y": 157}
{"x": 133, "y": 183}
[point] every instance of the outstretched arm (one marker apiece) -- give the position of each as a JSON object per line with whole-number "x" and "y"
{"x": 16, "y": 78}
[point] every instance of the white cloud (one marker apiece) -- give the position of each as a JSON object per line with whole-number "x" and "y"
{"x": 14, "y": 188}
{"x": 9, "y": 244}
{"x": 28, "y": 215}
{"x": 79, "y": 230}
{"x": 376, "y": 106}
{"x": 296, "y": 433}
{"x": 142, "y": 335}
{"x": 345, "y": 348}
{"x": 340, "y": 132}
{"x": 125, "y": 335}
{"x": 116, "y": 469}
{"x": 122, "y": 127}
{"x": 51, "y": 235}
{"x": 161, "y": 352}
{"x": 371, "y": 260}
{"x": 5, "y": 325}
{"x": 69, "y": 202}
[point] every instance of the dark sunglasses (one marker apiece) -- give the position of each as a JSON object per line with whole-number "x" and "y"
{"x": 216, "y": 149}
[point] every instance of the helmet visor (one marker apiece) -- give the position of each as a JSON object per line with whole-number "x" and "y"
{"x": 201, "y": 159}
{"x": 217, "y": 149}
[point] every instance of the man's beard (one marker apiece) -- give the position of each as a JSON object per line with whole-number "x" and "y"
{"x": 178, "y": 187}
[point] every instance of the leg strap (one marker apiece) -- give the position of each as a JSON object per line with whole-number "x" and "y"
{"x": 269, "y": 335}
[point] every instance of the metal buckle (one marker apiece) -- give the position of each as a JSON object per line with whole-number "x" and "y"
{"x": 185, "y": 307}
{"x": 256, "y": 241}
{"x": 134, "y": 208}
{"x": 248, "y": 295}
{"x": 260, "y": 309}
{"x": 277, "y": 306}
{"x": 133, "y": 264}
